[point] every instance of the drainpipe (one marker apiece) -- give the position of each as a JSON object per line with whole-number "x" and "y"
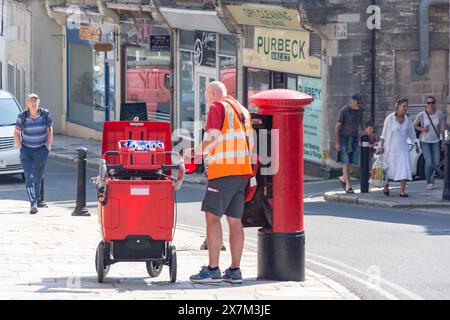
{"x": 373, "y": 70}
{"x": 422, "y": 66}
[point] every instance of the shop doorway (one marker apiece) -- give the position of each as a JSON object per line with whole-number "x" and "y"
{"x": 203, "y": 76}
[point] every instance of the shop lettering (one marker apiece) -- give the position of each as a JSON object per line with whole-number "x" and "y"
{"x": 208, "y": 38}
{"x": 281, "y": 49}
{"x": 313, "y": 92}
{"x": 267, "y": 14}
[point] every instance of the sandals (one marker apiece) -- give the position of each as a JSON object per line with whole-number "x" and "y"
{"x": 343, "y": 184}
{"x": 404, "y": 195}
{"x": 349, "y": 190}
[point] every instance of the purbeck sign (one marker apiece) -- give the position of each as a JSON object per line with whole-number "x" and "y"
{"x": 283, "y": 51}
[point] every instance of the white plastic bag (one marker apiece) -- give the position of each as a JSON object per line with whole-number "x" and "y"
{"x": 377, "y": 177}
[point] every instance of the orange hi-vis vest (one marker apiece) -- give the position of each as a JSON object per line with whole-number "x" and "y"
{"x": 231, "y": 153}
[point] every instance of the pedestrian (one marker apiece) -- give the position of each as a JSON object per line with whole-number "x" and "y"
{"x": 431, "y": 125}
{"x": 34, "y": 137}
{"x": 369, "y": 129}
{"x": 394, "y": 145}
{"x": 228, "y": 144}
{"x": 348, "y": 126}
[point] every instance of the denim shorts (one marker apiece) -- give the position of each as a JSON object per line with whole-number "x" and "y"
{"x": 346, "y": 157}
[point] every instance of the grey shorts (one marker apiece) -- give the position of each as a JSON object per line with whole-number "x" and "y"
{"x": 225, "y": 196}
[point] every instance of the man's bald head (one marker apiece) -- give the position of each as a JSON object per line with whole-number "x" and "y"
{"x": 215, "y": 91}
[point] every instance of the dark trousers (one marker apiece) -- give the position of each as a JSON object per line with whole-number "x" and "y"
{"x": 33, "y": 162}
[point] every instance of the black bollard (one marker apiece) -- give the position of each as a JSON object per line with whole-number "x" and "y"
{"x": 365, "y": 164}
{"x": 446, "y": 191}
{"x": 80, "y": 209}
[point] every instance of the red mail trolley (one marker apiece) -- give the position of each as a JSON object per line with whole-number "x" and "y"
{"x": 136, "y": 196}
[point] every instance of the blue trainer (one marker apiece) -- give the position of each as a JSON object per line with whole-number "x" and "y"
{"x": 207, "y": 275}
{"x": 232, "y": 276}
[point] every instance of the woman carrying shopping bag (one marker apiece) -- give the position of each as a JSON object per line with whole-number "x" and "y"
{"x": 394, "y": 146}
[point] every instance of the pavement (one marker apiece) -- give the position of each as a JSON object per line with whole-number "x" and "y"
{"x": 419, "y": 198}
{"x": 51, "y": 256}
{"x": 64, "y": 148}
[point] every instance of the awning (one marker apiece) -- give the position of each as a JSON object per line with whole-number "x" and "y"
{"x": 205, "y": 20}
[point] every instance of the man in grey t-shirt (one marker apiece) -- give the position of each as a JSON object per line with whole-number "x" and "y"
{"x": 350, "y": 119}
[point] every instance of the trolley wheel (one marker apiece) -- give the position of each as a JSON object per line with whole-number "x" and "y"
{"x": 100, "y": 261}
{"x": 154, "y": 268}
{"x": 173, "y": 264}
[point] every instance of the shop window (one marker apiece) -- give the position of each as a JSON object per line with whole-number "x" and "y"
{"x": 227, "y": 45}
{"x": 257, "y": 81}
{"x": 227, "y": 73}
{"x": 148, "y": 69}
{"x": 187, "y": 39}
{"x": 86, "y": 80}
{"x": 186, "y": 79}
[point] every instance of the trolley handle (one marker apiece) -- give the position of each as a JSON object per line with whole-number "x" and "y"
{"x": 110, "y": 153}
{"x": 180, "y": 166}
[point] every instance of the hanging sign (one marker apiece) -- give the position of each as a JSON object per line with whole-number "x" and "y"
{"x": 103, "y": 47}
{"x": 159, "y": 43}
{"x": 90, "y": 33}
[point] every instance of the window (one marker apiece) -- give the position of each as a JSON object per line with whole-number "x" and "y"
{"x": 9, "y": 112}
{"x": 187, "y": 39}
{"x": 148, "y": 69}
{"x": 17, "y": 89}
{"x": 227, "y": 66}
{"x": 257, "y": 81}
{"x": 10, "y": 76}
{"x": 86, "y": 81}
{"x": 187, "y": 91}
{"x": 227, "y": 45}
{"x": 23, "y": 88}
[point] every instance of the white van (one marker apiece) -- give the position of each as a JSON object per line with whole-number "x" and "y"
{"x": 9, "y": 154}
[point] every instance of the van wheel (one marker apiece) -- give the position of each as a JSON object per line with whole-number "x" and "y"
{"x": 421, "y": 168}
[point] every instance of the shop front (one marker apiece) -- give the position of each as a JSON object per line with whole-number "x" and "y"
{"x": 281, "y": 59}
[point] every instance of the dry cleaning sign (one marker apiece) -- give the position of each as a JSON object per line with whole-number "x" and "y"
{"x": 282, "y": 50}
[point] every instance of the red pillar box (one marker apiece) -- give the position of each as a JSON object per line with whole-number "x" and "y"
{"x": 281, "y": 251}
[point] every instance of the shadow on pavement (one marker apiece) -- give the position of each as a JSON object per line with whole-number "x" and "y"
{"x": 120, "y": 285}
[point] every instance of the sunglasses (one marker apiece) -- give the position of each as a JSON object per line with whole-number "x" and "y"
{"x": 431, "y": 102}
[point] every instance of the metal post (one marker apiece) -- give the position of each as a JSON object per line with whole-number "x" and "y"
{"x": 80, "y": 209}
{"x": 106, "y": 87}
{"x": 365, "y": 164}
{"x": 446, "y": 191}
